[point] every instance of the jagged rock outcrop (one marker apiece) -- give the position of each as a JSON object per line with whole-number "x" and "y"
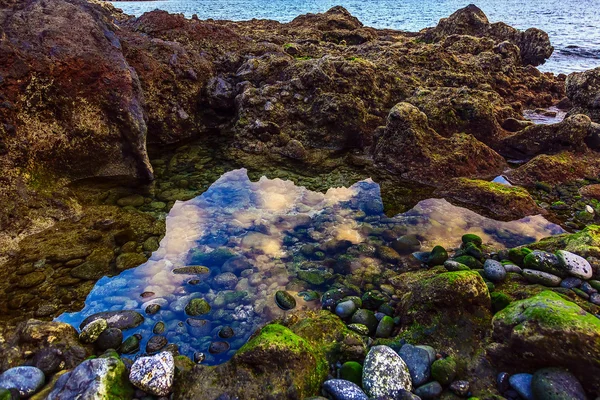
{"x": 583, "y": 89}
{"x": 534, "y": 44}
{"x": 409, "y": 147}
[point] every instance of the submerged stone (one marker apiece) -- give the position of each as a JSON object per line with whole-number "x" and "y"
{"x": 197, "y": 307}
{"x": 123, "y": 320}
{"x": 284, "y": 300}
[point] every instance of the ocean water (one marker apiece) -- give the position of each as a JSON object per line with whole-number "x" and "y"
{"x": 248, "y": 240}
{"x": 573, "y": 26}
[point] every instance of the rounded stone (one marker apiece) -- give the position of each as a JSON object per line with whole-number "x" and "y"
{"x": 199, "y": 327}
{"x": 111, "y": 338}
{"x": 152, "y": 309}
{"x": 197, "y": 307}
{"x": 544, "y": 262}
{"x": 385, "y": 373}
{"x": 156, "y": 343}
{"x": 494, "y": 270}
{"x": 453, "y": 266}
{"x": 556, "y": 384}
{"x": 226, "y": 332}
{"x": 341, "y": 389}
{"x": 366, "y": 318}
{"x": 542, "y": 278}
{"x": 460, "y": 388}
{"x": 472, "y": 238}
{"x": 431, "y": 390}
{"x": 345, "y": 309}
{"x": 406, "y": 244}
{"x": 218, "y": 347}
{"x": 92, "y": 331}
{"x": 159, "y": 328}
{"x": 444, "y": 370}
{"x": 48, "y": 360}
{"x": 575, "y": 265}
{"x": 226, "y": 280}
{"x": 130, "y": 345}
{"x": 125, "y": 319}
{"x": 359, "y": 328}
{"x": 154, "y": 374}
{"x": 284, "y": 300}
{"x": 385, "y": 327}
{"x": 521, "y": 383}
{"x": 26, "y": 380}
{"x": 437, "y": 256}
{"x": 352, "y": 371}
{"x": 418, "y": 362}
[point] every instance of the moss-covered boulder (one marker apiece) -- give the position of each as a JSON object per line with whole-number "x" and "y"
{"x": 547, "y": 330}
{"x": 585, "y": 243}
{"x": 277, "y": 362}
{"x": 509, "y": 202}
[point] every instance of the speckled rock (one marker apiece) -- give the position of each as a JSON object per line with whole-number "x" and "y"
{"x": 340, "y": 389}
{"x": 154, "y": 374}
{"x": 385, "y": 373}
{"x": 522, "y": 384}
{"x": 556, "y": 384}
{"x": 123, "y": 320}
{"x": 494, "y": 270}
{"x": 574, "y": 264}
{"x": 27, "y": 380}
{"x": 92, "y": 331}
{"x": 97, "y": 378}
{"x": 542, "y": 278}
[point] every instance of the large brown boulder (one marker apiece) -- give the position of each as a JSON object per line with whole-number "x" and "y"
{"x": 409, "y": 147}
{"x": 534, "y": 44}
{"x": 583, "y": 89}
{"x": 73, "y": 105}
{"x": 556, "y": 168}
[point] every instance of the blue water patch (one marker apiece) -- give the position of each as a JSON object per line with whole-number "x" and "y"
{"x": 239, "y": 243}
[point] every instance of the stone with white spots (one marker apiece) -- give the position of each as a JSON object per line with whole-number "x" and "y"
{"x": 154, "y": 374}
{"x": 385, "y": 373}
{"x": 574, "y": 264}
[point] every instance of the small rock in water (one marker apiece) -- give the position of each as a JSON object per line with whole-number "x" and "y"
{"x": 226, "y": 332}
{"x": 556, "y": 384}
{"x": 125, "y": 319}
{"x": 152, "y": 309}
{"x": 159, "y": 328}
{"x": 431, "y": 390}
{"x": 542, "y": 278}
{"x": 494, "y": 270}
{"x": 385, "y": 373}
{"x": 460, "y": 388}
{"x": 92, "y": 331}
{"x": 191, "y": 270}
{"x": 111, "y": 338}
{"x": 146, "y": 295}
{"x": 574, "y": 264}
{"x": 218, "y": 347}
{"x": 406, "y": 244}
{"x": 340, "y": 389}
{"x": 226, "y": 280}
{"x": 130, "y": 345}
{"x": 284, "y": 300}
{"x": 522, "y": 384}
{"x": 199, "y": 357}
{"x": 27, "y": 380}
{"x": 154, "y": 374}
{"x": 345, "y": 309}
{"x": 156, "y": 343}
{"x": 197, "y": 307}
{"x": 418, "y": 362}
{"x": 199, "y": 327}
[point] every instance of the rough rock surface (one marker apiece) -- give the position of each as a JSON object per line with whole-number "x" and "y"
{"x": 583, "y": 89}
{"x": 385, "y": 373}
{"x": 154, "y": 374}
{"x": 531, "y": 333}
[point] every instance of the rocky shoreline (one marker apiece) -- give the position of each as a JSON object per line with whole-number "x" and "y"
{"x": 107, "y": 122}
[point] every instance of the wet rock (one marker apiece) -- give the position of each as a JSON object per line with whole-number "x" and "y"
{"x": 156, "y": 344}
{"x": 556, "y": 384}
{"x": 515, "y": 125}
{"x": 366, "y": 318}
{"x": 385, "y": 373}
{"x": 452, "y": 265}
{"x": 226, "y": 332}
{"x": 345, "y": 309}
{"x": 199, "y": 327}
{"x": 197, "y": 307}
{"x": 31, "y": 280}
{"x": 134, "y": 200}
{"x": 48, "y": 360}
{"x": 547, "y": 315}
{"x": 284, "y": 300}
{"x": 522, "y": 384}
{"x": 494, "y": 270}
{"x": 191, "y": 270}
{"x": 431, "y": 390}
{"x": 582, "y": 89}
{"x": 444, "y": 370}
{"x": 340, "y": 389}
{"x": 218, "y": 347}
{"x": 123, "y": 320}
{"x": 542, "y": 278}
{"x": 93, "y": 379}
{"x": 26, "y": 380}
{"x": 410, "y": 148}
{"x": 92, "y": 331}
{"x": 226, "y": 280}
{"x": 110, "y": 338}
{"x": 154, "y": 374}
{"x": 359, "y": 328}
{"x": 351, "y": 371}
{"x": 574, "y": 264}
{"x": 152, "y": 309}
{"x": 545, "y": 262}
{"x": 129, "y": 260}
{"x": 159, "y": 328}
{"x": 96, "y": 265}
{"x": 460, "y": 388}
{"x": 406, "y": 244}
{"x": 418, "y": 362}
{"x": 385, "y": 327}
{"x": 130, "y": 345}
